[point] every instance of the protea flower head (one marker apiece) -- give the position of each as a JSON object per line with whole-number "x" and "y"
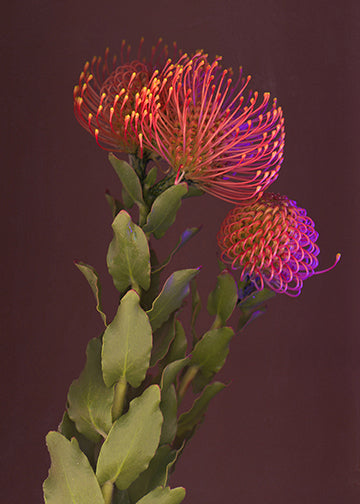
{"x": 210, "y": 131}
{"x": 273, "y": 241}
{"x": 112, "y": 92}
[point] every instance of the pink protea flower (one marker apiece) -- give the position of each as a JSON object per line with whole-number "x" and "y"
{"x": 202, "y": 124}
{"x": 273, "y": 241}
{"x": 110, "y": 97}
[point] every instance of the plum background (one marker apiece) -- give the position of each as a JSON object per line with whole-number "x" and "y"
{"x": 286, "y": 429}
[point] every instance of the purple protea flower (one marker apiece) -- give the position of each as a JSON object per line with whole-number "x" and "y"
{"x": 273, "y": 241}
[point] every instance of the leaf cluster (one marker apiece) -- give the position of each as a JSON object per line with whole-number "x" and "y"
{"x": 122, "y": 431}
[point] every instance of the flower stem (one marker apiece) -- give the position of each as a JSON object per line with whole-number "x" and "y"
{"x": 119, "y": 398}
{"x": 107, "y": 491}
{"x": 139, "y": 165}
{"x": 185, "y": 382}
{"x": 160, "y": 187}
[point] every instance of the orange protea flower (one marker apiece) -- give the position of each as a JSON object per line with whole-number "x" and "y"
{"x": 211, "y": 134}
{"x": 110, "y": 97}
{"x": 273, "y": 241}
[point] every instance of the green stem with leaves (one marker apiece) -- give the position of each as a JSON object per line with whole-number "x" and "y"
{"x": 143, "y": 338}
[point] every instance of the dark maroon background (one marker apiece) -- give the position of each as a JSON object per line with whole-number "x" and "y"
{"x": 286, "y": 430}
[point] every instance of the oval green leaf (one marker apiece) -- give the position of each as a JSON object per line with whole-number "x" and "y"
{"x": 163, "y": 211}
{"x": 171, "y": 296}
{"x": 94, "y": 282}
{"x": 155, "y": 475}
{"x": 114, "y": 204}
{"x": 211, "y": 351}
{"x": 257, "y": 298}
{"x": 222, "y": 300}
{"x": 184, "y": 238}
{"x": 195, "y": 307}
{"x": 164, "y": 496}
{"x": 171, "y": 371}
{"x": 127, "y": 343}
{"x": 68, "y": 429}
{"x": 71, "y": 478}
{"x": 190, "y": 420}
{"x": 128, "y": 178}
{"x": 132, "y": 441}
{"x": 178, "y": 346}
{"x": 162, "y": 339}
{"x": 168, "y": 405}
{"x": 128, "y": 257}
{"x": 89, "y": 400}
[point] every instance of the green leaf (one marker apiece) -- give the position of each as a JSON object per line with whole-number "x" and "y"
{"x": 147, "y": 297}
{"x": 94, "y": 282}
{"x": 163, "y": 211}
{"x": 127, "y": 343}
{"x": 195, "y": 306}
{"x": 129, "y": 179}
{"x": 184, "y": 238}
{"x": 120, "y": 497}
{"x": 191, "y": 419}
{"x": 222, "y": 266}
{"x": 114, "y": 204}
{"x": 150, "y": 178}
{"x": 171, "y": 296}
{"x": 171, "y": 371}
{"x": 248, "y": 316}
{"x": 168, "y": 408}
{"x": 89, "y": 400}
{"x": 164, "y": 496}
{"x": 169, "y": 402}
{"x": 222, "y": 300}
{"x": 178, "y": 346}
{"x": 127, "y": 200}
{"x": 162, "y": 340}
{"x": 257, "y": 298}
{"x": 252, "y": 302}
{"x": 211, "y": 351}
{"x": 155, "y": 475}
{"x": 128, "y": 257}
{"x": 194, "y": 190}
{"x": 68, "y": 429}
{"x": 132, "y": 441}
{"x": 71, "y": 478}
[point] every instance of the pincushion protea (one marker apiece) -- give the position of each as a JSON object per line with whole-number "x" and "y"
{"x": 111, "y": 94}
{"x": 273, "y": 241}
{"x": 230, "y": 145}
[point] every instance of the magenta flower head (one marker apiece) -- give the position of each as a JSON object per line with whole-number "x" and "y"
{"x": 272, "y": 241}
{"x": 112, "y": 92}
{"x": 214, "y": 133}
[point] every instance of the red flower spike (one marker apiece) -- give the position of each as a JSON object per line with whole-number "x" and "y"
{"x": 202, "y": 124}
{"x": 273, "y": 242}
{"x": 112, "y": 93}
